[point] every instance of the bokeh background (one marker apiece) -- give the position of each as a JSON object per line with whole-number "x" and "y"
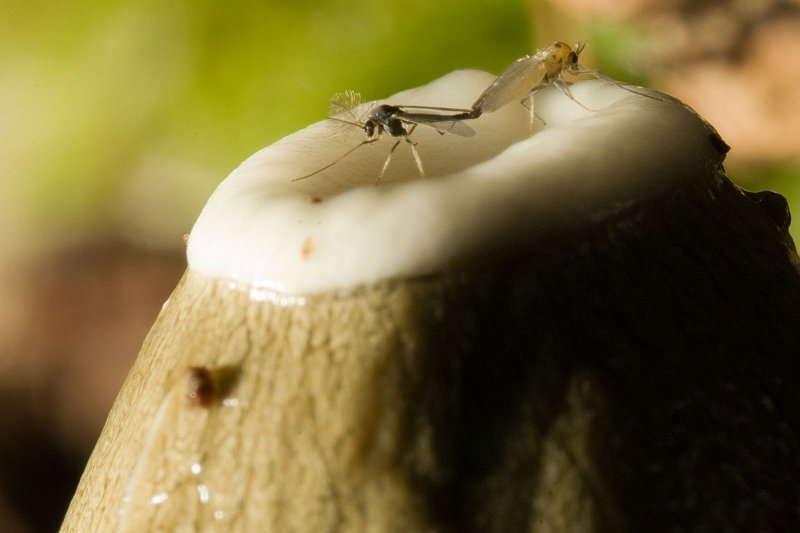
{"x": 118, "y": 119}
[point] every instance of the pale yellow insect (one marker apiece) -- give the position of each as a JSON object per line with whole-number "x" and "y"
{"x": 527, "y": 76}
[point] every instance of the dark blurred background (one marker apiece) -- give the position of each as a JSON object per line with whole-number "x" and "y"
{"x": 117, "y": 120}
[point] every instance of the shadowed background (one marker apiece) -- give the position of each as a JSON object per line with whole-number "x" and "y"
{"x": 118, "y": 119}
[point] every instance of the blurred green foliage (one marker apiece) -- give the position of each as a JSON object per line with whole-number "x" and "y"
{"x": 94, "y": 92}
{"x": 780, "y": 177}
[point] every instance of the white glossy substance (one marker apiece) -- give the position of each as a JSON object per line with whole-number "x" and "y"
{"x": 490, "y": 193}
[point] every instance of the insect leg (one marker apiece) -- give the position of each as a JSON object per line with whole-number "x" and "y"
{"x": 564, "y": 86}
{"x": 329, "y": 165}
{"x": 414, "y": 152}
{"x": 386, "y": 163}
{"x": 600, "y": 76}
{"x": 416, "y": 157}
{"x": 528, "y": 103}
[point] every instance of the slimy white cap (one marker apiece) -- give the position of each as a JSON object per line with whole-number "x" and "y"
{"x": 492, "y": 193}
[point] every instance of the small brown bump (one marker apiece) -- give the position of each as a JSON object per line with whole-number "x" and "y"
{"x": 308, "y": 248}
{"x": 314, "y": 199}
{"x": 718, "y": 143}
{"x": 774, "y": 206}
{"x": 200, "y": 386}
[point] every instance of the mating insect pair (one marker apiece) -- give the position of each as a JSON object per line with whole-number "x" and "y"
{"x": 521, "y": 81}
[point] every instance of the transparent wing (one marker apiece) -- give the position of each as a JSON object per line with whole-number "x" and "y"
{"x": 410, "y": 108}
{"x": 442, "y": 125}
{"x": 514, "y": 84}
{"x": 448, "y": 121}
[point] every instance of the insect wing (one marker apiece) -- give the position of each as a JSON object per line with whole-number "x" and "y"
{"x": 456, "y": 127}
{"x": 411, "y": 109}
{"x": 514, "y": 84}
{"x": 448, "y": 121}
{"x": 441, "y": 124}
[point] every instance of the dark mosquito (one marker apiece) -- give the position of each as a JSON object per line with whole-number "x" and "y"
{"x": 399, "y": 121}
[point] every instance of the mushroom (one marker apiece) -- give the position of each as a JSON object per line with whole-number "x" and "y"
{"x": 586, "y": 328}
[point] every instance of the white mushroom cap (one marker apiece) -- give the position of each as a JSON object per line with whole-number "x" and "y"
{"x": 493, "y": 193}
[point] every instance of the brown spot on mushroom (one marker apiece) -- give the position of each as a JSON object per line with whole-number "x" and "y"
{"x": 718, "y": 143}
{"x": 206, "y": 386}
{"x": 774, "y": 206}
{"x": 314, "y": 199}
{"x": 308, "y": 248}
{"x": 200, "y": 386}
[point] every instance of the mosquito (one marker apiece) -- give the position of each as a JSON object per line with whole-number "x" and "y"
{"x": 527, "y": 76}
{"x": 399, "y": 121}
